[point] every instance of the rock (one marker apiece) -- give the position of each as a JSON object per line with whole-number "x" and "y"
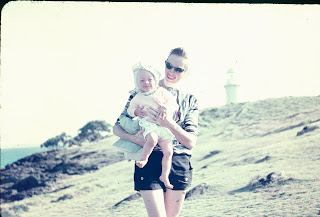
{"x": 64, "y": 197}
{"x": 269, "y": 179}
{"x": 259, "y": 182}
{"x": 8, "y": 180}
{"x": 39, "y": 173}
{"x": 266, "y": 158}
{"x": 27, "y": 183}
{"x": 274, "y": 177}
{"x": 212, "y": 153}
{"x": 131, "y": 197}
{"x": 15, "y": 197}
{"x": 307, "y": 129}
{"x": 196, "y": 191}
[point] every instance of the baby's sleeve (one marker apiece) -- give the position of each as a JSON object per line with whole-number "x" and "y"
{"x": 134, "y": 104}
{"x": 170, "y": 101}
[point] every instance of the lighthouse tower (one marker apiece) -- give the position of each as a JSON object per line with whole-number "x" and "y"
{"x": 231, "y": 87}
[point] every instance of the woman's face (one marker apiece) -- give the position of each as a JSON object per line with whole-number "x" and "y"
{"x": 172, "y": 76}
{"x": 146, "y": 81}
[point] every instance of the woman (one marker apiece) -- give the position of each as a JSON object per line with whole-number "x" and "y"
{"x": 160, "y": 201}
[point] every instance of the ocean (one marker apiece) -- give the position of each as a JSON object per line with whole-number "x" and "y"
{"x": 10, "y": 155}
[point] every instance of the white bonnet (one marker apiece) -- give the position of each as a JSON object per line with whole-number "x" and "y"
{"x": 139, "y": 66}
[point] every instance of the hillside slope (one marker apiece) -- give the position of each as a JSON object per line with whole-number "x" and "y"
{"x": 249, "y": 161}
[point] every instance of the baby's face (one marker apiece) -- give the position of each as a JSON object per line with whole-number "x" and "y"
{"x": 146, "y": 81}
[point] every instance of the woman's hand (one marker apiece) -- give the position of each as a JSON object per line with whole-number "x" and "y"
{"x": 120, "y": 132}
{"x": 163, "y": 119}
{"x": 139, "y": 139}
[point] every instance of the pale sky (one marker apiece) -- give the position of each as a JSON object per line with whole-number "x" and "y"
{"x": 64, "y": 64}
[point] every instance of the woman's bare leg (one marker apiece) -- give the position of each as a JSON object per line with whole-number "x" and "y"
{"x": 173, "y": 202}
{"x": 152, "y": 139}
{"x": 167, "y": 150}
{"x": 154, "y": 202}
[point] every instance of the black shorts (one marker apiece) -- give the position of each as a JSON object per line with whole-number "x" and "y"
{"x": 147, "y": 178}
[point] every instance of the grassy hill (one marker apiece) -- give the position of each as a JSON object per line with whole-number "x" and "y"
{"x": 248, "y": 155}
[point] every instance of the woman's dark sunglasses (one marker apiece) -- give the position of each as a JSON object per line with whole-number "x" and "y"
{"x": 177, "y": 69}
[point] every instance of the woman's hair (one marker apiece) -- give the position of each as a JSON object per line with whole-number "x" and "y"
{"x": 179, "y": 51}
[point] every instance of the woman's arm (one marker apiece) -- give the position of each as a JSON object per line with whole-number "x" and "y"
{"x": 187, "y": 133}
{"x": 185, "y": 138}
{"x": 120, "y": 132}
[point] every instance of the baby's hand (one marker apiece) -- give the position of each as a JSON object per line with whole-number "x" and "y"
{"x": 140, "y": 112}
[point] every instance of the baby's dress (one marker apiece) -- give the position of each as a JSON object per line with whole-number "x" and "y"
{"x": 149, "y": 127}
{"x": 159, "y": 97}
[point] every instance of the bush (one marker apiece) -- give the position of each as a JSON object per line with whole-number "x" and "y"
{"x": 93, "y": 131}
{"x": 57, "y": 142}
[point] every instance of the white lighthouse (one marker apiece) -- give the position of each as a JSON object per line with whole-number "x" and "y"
{"x": 231, "y": 87}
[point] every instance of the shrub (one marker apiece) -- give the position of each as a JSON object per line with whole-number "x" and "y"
{"x": 93, "y": 131}
{"x": 57, "y": 142}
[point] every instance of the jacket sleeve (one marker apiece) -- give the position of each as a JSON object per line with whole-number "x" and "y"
{"x": 190, "y": 123}
{"x": 124, "y": 112}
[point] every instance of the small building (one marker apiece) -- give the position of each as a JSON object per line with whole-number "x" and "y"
{"x": 231, "y": 87}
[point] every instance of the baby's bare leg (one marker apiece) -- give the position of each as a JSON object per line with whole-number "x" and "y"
{"x": 152, "y": 139}
{"x": 167, "y": 150}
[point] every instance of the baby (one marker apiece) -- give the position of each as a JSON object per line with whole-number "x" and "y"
{"x": 149, "y": 94}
